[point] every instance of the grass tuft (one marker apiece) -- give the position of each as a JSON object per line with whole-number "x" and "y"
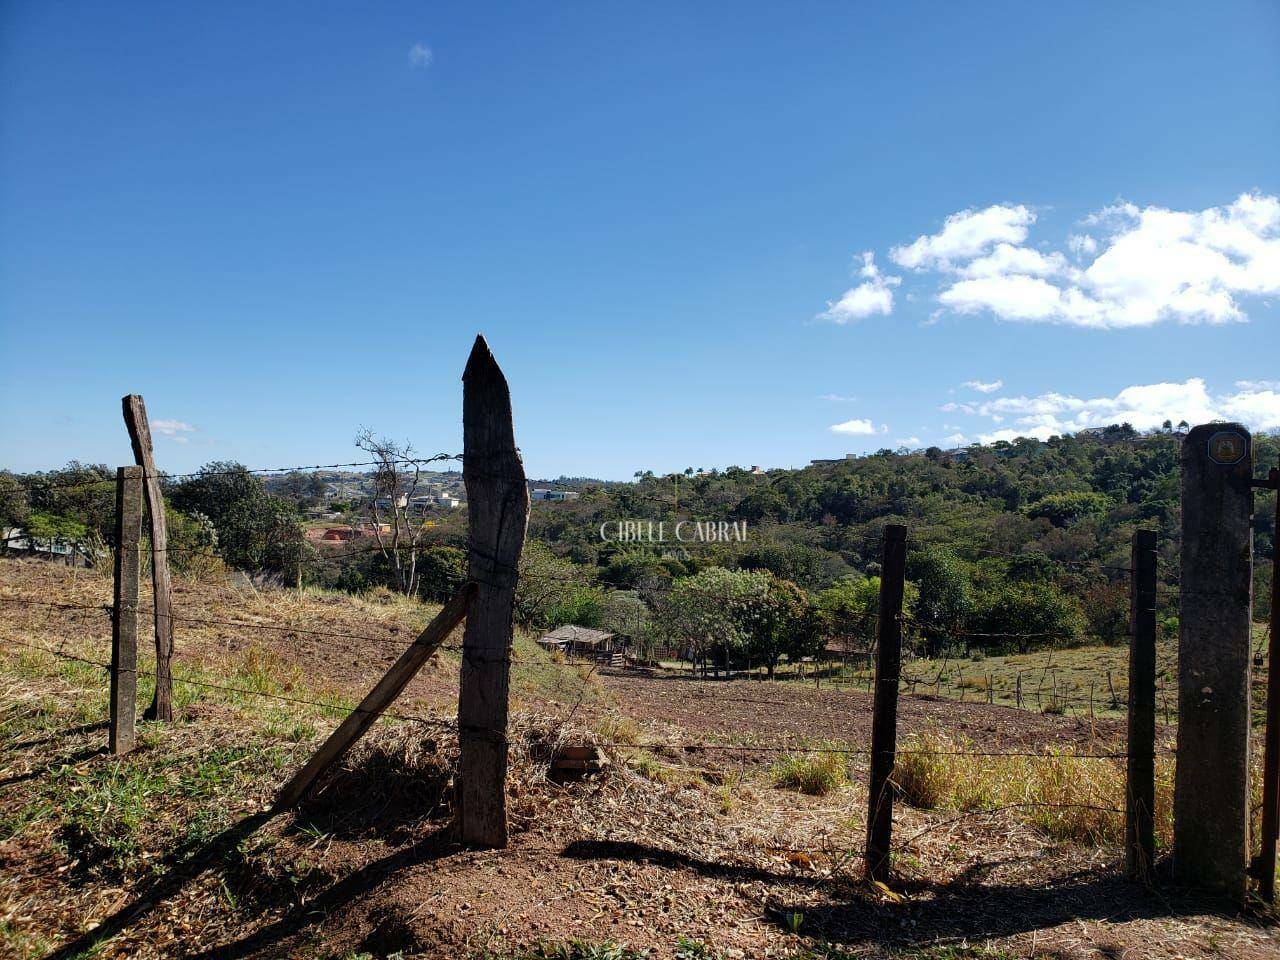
{"x": 814, "y": 774}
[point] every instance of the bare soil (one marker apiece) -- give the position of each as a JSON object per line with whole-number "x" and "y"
{"x": 700, "y": 846}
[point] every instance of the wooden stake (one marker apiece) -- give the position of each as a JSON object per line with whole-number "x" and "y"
{"x": 884, "y": 721}
{"x": 1266, "y": 865}
{"x": 124, "y": 624}
{"x": 498, "y": 515}
{"x": 1140, "y": 793}
{"x": 379, "y": 698}
{"x": 135, "y": 418}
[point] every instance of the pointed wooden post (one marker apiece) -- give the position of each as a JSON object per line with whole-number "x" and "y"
{"x": 124, "y": 620}
{"x": 135, "y": 418}
{"x": 498, "y": 514}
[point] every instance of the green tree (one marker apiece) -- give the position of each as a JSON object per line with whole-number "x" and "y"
{"x": 442, "y": 570}
{"x": 944, "y": 599}
{"x": 776, "y": 621}
{"x": 705, "y": 613}
{"x": 1025, "y": 615}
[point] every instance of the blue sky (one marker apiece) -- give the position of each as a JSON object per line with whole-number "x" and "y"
{"x": 279, "y": 222}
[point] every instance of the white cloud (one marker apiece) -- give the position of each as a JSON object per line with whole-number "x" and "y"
{"x": 174, "y": 430}
{"x": 982, "y": 387}
{"x": 1145, "y": 406}
{"x": 837, "y": 398}
{"x": 1082, "y": 245}
{"x": 955, "y": 440}
{"x": 873, "y": 295}
{"x": 964, "y": 236}
{"x": 1256, "y": 385}
{"x": 1259, "y": 409}
{"x": 1155, "y": 265}
{"x": 420, "y": 56}
{"x": 857, "y": 428}
{"x": 1039, "y": 433}
{"x": 908, "y": 442}
{"x": 1006, "y": 259}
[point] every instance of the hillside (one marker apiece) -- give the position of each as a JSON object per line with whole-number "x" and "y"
{"x": 726, "y": 823}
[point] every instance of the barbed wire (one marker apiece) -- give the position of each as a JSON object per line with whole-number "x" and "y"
{"x": 50, "y": 483}
{"x": 774, "y": 747}
{"x": 331, "y": 706}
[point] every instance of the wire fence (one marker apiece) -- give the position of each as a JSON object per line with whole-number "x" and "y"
{"x": 747, "y": 744}
{"x": 745, "y": 741}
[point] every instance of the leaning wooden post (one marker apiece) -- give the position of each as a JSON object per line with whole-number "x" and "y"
{"x": 497, "y": 514}
{"x": 1211, "y": 785}
{"x": 1140, "y": 794}
{"x": 884, "y": 721}
{"x": 135, "y": 418}
{"x": 124, "y": 623}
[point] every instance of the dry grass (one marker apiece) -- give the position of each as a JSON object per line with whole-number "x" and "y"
{"x": 1063, "y": 795}
{"x": 816, "y": 774}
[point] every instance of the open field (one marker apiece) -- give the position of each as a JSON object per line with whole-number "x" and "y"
{"x": 727, "y": 823}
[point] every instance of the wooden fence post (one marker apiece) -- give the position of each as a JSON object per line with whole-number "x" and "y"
{"x": 1266, "y": 864}
{"x": 498, "y": 515}
{"x": 124, "y": 623}
{"x": 884, "y": 721}
{"x": 1140, "y": 793}
{"x": 135, "y": 418}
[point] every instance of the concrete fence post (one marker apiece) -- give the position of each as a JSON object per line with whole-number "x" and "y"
{"x": 1211, "y": 788}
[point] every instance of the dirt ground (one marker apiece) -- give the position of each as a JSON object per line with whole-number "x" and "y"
{"x": 673, "y": 849}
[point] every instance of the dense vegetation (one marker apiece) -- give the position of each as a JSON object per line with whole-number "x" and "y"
{"x": 1012, "y": 545}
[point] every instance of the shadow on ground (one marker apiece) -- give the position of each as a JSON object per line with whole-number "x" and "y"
{"x": 844, "y": 911}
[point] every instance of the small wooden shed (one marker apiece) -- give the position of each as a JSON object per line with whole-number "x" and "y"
{"x": 575, "y": 641}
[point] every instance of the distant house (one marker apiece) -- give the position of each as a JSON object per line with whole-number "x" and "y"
{"x": 428, "y": 501}
{"x": 339, "y": 534}
{"x": 823, "y": 463}
{"x": 74, "y": 553}
{"x": 555, "y": 496}
{"x": 572, "y": 640}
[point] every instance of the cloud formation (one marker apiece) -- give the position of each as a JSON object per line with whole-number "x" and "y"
{"x": 420, "y": 56}
{"x": 873, "y": 295}
{"x": 174, "y": 430}
{"x": 1145, "y": 406}
{"x": 856, "y": 428}
{"x": 1148, "y": 265}
{"x": 964, "y": 236}
{"x": 982, "y": 387}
